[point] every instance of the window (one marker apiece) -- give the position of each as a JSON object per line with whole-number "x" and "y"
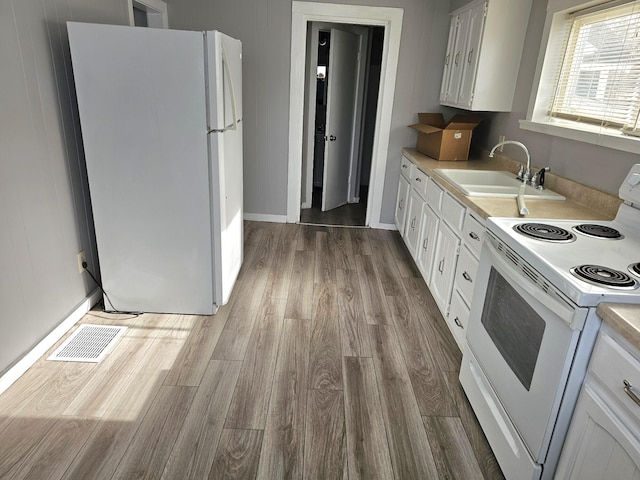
{"x": 589, "y": 80}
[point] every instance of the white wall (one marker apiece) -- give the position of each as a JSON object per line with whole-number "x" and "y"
{"x": 264, "y": 26}
{"x": 45, "y": 215}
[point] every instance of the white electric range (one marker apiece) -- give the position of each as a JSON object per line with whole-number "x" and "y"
{"x": 533, "y": 325}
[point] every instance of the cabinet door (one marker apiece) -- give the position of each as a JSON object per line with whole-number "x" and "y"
{"x": 448, "y": 60}
{"x": 445, "y": 258}
{"x": 600, "y": 444}
{"x": 401, "y": 204}
{"x": 472, "y": 46}
{"x": 466, "y": 274}
{"x": 458, "y": 318}
{"x": 412, "y": 223}
{"x": 457, "y": 63}
{"x": 427, "y": 242}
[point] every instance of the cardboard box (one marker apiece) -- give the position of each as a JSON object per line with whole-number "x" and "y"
{"x": 444, "y": 141}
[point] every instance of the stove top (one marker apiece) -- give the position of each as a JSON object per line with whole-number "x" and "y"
{"x": 589, "y": 262}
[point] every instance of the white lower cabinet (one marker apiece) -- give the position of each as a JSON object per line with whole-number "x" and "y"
{"x": 401, "y": 204}
{"x": 466, "y": 274}
{"x": 458, "y": 318}
{"x": 427, "y": 241}
{"x": 444, "y": 266}
{"x": 464, "y": 281}
{"x": 444, "y": 239}
{"x": 413, "y": 221}
{"x": 604, "y": 435}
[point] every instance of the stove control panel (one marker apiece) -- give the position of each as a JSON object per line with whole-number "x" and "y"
{"x": 630, "y": 188}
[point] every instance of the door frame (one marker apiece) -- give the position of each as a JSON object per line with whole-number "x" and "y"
{"x": 311, "y": 61}
{"x": 391, "y": 19}
{"x": 156, "y": 12}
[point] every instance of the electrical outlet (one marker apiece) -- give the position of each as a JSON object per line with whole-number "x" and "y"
{"x": 501, "y": 138}
{"x": 82, "y": 258}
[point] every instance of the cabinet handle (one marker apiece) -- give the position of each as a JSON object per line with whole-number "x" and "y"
{"x": 474, "y": 235}
{"x": 418, "y": 179}
{"x": 405, "y": 166}
{"x": 446, "y": 60}
{"x": 400, "y": 206}
{"x": 441, "y": 266}
{"x": 469, "y": 56}
{"x": 455, "y": 60}
{"x": 467, "y": 277}
{"x": 425, "y": 243}
{"x": 458, "y": 322}
{"x": 413, "y": 223}
{"x": 628, "y": 389}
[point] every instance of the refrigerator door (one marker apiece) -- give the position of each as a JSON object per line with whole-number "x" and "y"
{"x": 224, "y": 73}
{"x": 141, "y": 97}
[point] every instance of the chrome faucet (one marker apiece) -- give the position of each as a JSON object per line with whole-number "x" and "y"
{"x": 525, "y": 172}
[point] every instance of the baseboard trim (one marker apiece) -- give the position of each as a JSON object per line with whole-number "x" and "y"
{"x": 260, "y": 217}
{"x": 385, "y": 226}
{"x": 31, "y": 357}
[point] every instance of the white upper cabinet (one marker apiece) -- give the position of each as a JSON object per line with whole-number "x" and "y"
{"x": 483, "y": 54}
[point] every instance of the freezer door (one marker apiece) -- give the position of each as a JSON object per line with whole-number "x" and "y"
{"x": 224, "y": 69}
{"x": 224, "y": 72}
{"x": 141, "y": 97}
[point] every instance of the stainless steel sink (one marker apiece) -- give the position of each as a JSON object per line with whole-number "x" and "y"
{"x": 492, "y": 183}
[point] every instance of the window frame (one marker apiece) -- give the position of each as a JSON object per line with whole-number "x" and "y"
{"x": 551, "y": 49}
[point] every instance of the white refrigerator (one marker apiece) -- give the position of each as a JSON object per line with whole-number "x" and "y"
{"x": 161, "y": 112}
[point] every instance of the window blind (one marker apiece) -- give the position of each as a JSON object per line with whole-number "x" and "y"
{"x": 598, "y": 80}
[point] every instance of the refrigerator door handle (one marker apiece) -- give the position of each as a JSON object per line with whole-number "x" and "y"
{"x": 234, "y": 124}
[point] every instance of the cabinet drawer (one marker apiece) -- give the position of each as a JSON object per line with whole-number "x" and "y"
{"x": 419, "y": 181}
{"x": 434, "y": 196}
{"x": 458, "y": 319}
{"x": 453, "y": 212}
{"x": 613, "y": 365}
{"x": 466, "y": 274}
{"x": 473, "y": 234}
{"x": 405, "y": 167}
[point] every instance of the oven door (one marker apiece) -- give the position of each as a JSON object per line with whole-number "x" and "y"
{"x": 522, "y": 338}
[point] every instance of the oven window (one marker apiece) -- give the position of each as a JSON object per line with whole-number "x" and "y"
{"x": 514, "y": 327}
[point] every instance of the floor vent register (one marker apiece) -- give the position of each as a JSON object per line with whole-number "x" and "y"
{"x": 89, "y": 343}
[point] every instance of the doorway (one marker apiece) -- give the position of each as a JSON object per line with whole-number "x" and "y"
{"x": 390, "y": 19}
{"x": 342, "y": 82}
{"x": 148, "y": 13}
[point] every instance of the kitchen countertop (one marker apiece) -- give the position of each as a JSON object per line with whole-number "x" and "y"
{"x": 624, "y": 319}
{"x": 582, "y": 203}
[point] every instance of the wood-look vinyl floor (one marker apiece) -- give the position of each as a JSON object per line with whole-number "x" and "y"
{"x": 351, "y": 214}
{"x": 331, "y": 360}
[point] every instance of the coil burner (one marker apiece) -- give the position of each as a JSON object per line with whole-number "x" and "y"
{"x": 598, "y": 231}
{"x": 542, "y": 231}
{"x": 598, "y": 275}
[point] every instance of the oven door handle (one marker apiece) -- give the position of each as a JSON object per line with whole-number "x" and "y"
{"x": 536, "y": 294}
